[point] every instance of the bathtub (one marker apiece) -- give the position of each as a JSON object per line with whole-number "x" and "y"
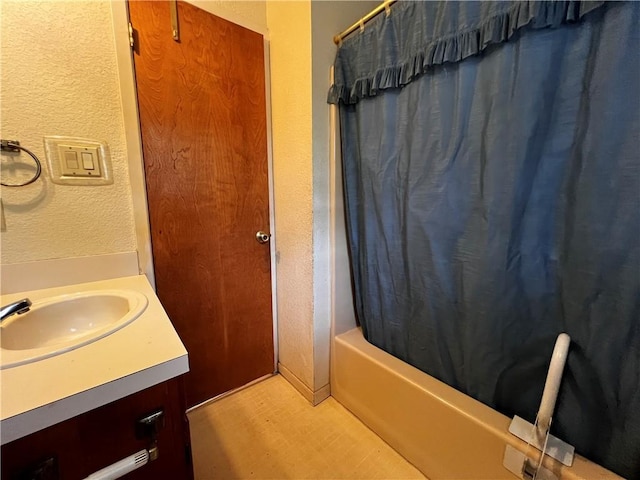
{"x": 444, "y": 433}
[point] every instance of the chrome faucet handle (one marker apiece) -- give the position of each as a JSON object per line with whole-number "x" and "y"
{"x": 15, "y": 308}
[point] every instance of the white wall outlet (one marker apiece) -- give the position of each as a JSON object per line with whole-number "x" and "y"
{"x": 78, "y": 161}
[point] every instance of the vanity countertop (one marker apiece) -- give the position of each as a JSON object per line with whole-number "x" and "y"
{"x": 144, "y": 353}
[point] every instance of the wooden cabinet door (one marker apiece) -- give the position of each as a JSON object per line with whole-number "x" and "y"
{"x": 202, "y": 106}
{"x": 96, "y": 439}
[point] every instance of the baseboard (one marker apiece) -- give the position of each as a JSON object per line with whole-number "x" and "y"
{"x": 314, "y": 398}
{"x": 230, "y": 392}
{"x": 321, "y": 394}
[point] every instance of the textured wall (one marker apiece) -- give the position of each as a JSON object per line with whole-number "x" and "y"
{"x": 290, "y": 32}
{"x": 244, "y": 12}
{"x": 59, "y": 77}
{"x": 301, "y": 53}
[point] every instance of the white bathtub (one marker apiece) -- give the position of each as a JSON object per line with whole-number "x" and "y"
{"x": 444, "y": 433}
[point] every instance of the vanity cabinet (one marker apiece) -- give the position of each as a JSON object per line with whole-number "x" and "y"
{"x": 84, "y": 444}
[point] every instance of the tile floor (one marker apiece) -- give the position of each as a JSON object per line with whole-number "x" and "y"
{"x": 269, "y": 431}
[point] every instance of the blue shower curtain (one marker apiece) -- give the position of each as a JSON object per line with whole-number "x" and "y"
{"x": 492, "y": 187}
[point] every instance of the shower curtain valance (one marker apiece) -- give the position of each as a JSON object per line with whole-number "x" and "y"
{"x": 392, "y": 51}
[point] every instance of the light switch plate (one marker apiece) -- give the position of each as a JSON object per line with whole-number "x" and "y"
{"x": 78, "y": 161}
{"x": 71, "y": 159}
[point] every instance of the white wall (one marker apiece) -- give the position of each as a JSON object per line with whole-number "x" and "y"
{"x": 59, "y": 77}
{"x": 290, "y": 46}
{"x": 301, "y": 53}
{"x": 251, "y": 14}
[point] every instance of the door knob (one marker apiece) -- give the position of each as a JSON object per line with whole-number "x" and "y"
{"x": 262, "y": 237}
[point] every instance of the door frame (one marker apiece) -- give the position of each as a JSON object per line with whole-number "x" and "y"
{"x": 126, "y": 74}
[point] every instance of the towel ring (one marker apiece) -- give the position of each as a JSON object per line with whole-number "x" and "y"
{"x": 14, "y": 146}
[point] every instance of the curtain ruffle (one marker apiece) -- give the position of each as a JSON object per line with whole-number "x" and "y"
{"x": 393, "y": 51}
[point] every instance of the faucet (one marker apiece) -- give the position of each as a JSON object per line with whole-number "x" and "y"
{"x": 552, "y": 384}
{"x": 19, "y": 307}
{"x": 520, "y": 463}
{"x": 540, "y": 434}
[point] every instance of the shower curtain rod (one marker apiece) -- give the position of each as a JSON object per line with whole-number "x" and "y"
{"x": 337, "y": 39}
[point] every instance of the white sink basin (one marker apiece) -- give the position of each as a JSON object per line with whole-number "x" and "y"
{"x": 59, "y": 324}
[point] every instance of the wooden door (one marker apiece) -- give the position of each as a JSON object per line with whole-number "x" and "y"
{"x": 203, "y": 121}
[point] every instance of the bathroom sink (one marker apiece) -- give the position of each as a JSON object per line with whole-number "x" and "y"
{"x": 59, "y": 324}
